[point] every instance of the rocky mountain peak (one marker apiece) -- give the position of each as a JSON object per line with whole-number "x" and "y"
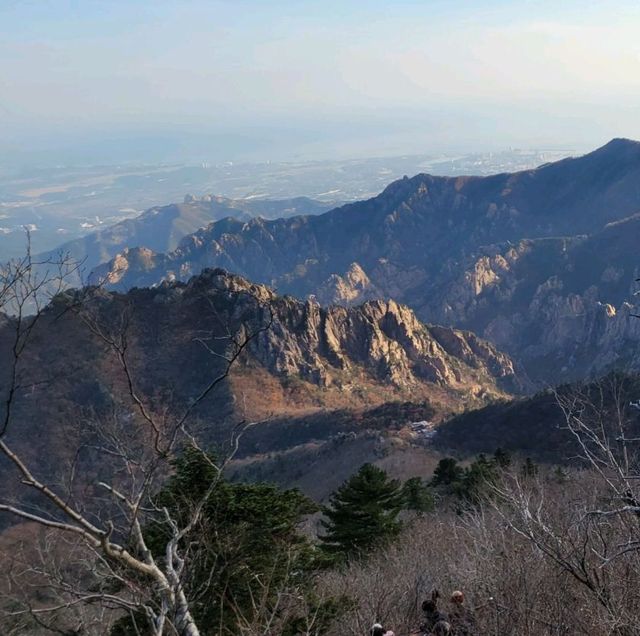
{"x": 354, "y": 286}
{"x": 383, "y": 341}
{"x": 377, "y": 343}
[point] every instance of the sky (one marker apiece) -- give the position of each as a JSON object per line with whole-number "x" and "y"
{"x": 275, "y": 79}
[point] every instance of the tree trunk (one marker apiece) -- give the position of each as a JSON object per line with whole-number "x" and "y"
{"x": 185, "y": 624}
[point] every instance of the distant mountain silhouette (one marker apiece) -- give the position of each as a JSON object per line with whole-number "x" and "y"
{"x": 162, "y": 227}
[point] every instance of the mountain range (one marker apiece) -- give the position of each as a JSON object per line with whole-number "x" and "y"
{"x": 161, "y": 228}
{"x": 540, "y": 262}
{"x": 529, "y": 275}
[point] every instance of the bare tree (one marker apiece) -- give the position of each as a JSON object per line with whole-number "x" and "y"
{"x": 588, "y": 525}
{"x": 120, "y": 570}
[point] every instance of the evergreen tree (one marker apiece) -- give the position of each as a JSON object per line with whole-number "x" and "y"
{"x": 502, "y": 458}
{"x": 249, "y": 533}
{"x": 560, "y": 474}
{"x": 363, "y": 513}
{"x": 477, "y": 478}
{"x": 416, "y": 496}
{"x": 447, "y": 472}
{"x": 529, "y": 468}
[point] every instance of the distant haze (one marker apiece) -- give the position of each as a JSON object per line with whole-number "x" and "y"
{"x": 199, "y": 80}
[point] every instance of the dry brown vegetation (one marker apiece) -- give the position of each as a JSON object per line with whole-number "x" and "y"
{"x": 554, "y": 580}
{"x": 553, "y": 553}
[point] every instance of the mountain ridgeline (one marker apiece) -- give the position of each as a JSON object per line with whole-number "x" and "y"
{"x": 540, "y": 261}
{"x": 161, "y": 228}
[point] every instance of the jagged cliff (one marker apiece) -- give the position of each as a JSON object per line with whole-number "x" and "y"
{"x": 378, "y": 342}
{"x": 564, "y": 306}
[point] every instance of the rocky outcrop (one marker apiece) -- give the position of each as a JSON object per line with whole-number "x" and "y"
{"x": 353, "y": 287}
{"x": 564, "y": 307}
{"x": 140, "y": 258}
{"x": 382, "y": 339}
{"x": 376, "y": 342}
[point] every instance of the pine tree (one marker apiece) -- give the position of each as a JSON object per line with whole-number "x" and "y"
{"x": 529, "y": 468}
{"x": 560, "y": 474}
{"x": 447, "y": 472}
{"x": 363, "y": 513}
{"x": 502, "y": 458}
{"x": 416, "y": 496}
{"x": 248, "y": 534}
{"x": 477, "y": 479}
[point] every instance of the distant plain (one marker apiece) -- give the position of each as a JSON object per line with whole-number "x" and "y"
{"x": 66, "y": 202}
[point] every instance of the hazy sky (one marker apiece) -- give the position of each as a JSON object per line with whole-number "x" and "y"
{"x": 269, "y": 77}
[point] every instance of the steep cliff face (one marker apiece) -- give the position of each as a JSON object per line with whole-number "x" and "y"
{"x": 377, "y": 343}
{"x": 385, "y": 341}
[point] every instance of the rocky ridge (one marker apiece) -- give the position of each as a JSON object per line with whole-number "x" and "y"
{"x": 304, "y": 361}
{"x": 413, "y": 225}
{"x": 379, "y": 340}
{"x": 161, "y": 228}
